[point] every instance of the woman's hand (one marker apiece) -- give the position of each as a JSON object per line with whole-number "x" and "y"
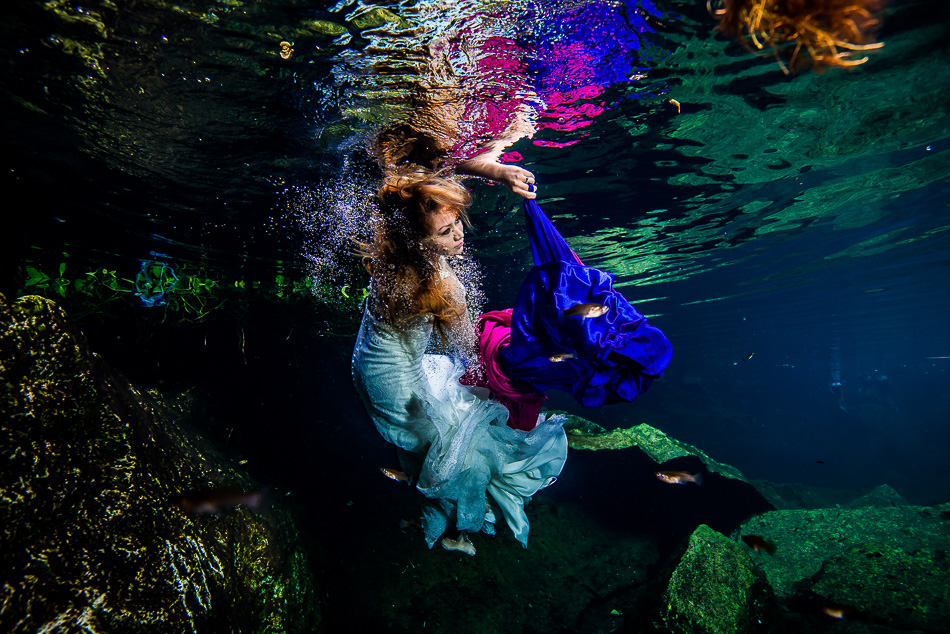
{"x": 516, "y": 179}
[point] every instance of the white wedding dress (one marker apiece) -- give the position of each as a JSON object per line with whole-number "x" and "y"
{"x": 453, "y": 440}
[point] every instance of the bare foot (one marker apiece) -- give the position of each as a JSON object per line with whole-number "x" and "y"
{"x": 462, "y": 544}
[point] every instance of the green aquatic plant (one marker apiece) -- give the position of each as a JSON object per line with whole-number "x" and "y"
{"x": 153, "y": 281}
{"x": 180, "y": 293}
{"x": 38, "y": 281}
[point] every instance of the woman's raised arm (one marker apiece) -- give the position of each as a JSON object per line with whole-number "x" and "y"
{"x": 486, "y": 164}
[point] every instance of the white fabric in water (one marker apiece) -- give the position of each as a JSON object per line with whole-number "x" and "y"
{"x": 454, "y": 439}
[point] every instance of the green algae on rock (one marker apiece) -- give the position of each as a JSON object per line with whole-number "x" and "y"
{"x": 791, "y": 495}
{"x": 91, "y": 536}
{"x": 881, "y": 495}
{"x": 905, "y": 590}
{"x": 716, "y": 589}
{"x": 806, "y": 539}
{"x": 653, "y": 442}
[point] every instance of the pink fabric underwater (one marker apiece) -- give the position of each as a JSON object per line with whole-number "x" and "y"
{"x": 524, "y": 405}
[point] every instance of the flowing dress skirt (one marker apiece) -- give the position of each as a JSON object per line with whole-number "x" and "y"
{"x": 453, "y": 440}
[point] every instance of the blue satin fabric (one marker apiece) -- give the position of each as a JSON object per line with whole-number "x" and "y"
{"x": 547, "y": 245}
{"x": 617, "y": 354}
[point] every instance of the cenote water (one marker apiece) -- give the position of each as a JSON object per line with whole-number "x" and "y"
{"x": 185, "y": 180}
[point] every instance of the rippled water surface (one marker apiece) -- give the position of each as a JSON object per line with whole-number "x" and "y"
{"x": 801, "y": 219}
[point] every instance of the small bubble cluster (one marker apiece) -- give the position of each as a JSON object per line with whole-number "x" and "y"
{"x": 334, "y": 217}
{"x": 339, "y": 214}
{"x": 470, "y": 276}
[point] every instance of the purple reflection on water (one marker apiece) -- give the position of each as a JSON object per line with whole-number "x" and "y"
{"x": 545, "y": 65}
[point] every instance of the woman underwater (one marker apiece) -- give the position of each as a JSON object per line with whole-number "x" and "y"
{"x": 461, "y": 444}
{"x": 453, "y": 441}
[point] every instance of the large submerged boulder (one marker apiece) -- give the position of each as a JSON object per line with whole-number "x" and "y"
{"x": 860, "y": 561}
{"x": 715, "y": 589}
{"x": 886, "y": 584}
{"x": 882, "y": 565}
{"x": 92, "y": 537}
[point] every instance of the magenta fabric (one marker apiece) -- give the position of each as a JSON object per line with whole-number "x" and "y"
{"x": 523, "y": 401}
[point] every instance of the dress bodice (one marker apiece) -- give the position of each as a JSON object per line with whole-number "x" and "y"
{"x": 403, "y": 343}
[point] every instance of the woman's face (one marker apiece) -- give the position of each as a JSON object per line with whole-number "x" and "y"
{"x": 446, "y": 233}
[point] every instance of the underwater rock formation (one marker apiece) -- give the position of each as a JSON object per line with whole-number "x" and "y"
{"x": 886, "y": 584}
{"x": 885, "y": 565}
{"x": 723, "y": 501}
{"x": 865, "y": 558}
{"x": 92, "y": 538}
{"x": 881, "y": 495}
{"x": 583, "y": 434}
{"x": 800, "y": 496}
{"x": 715, "y": 589}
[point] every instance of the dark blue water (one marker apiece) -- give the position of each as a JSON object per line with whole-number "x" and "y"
{"x": 802, "y": 220}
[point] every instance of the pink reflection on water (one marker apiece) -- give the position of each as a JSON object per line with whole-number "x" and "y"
{"x": 569, "y": 66}
{"x": 493, "y": 92}
{"x": 514, "y": 70}
{"x": 558, "y": 144}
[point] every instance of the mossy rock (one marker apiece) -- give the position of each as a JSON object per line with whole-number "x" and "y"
{"x": 92, "y": 539}
{"x": 806, "y": 539}
{"x": 716, "y": 589}
{"x": 583, "y": 434}
{"x": 883, "y": 583}
{"x": 881, "y": 495}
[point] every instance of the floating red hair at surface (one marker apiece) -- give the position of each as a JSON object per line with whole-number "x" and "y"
{"x": 802, "y": 33}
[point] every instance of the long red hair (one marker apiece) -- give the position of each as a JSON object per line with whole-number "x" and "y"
{"x": 404, "y": 271}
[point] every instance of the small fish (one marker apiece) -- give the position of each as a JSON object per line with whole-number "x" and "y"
{"x": 214, "y": 501}
{"x": 841, "y": 612}
{"x": 410, "y": 524}
{"x": 748, "y": 356}
{"x": 586, "y": 311}
{"x": 651, "y": 20}
{"x": 679, "y": 477}
{"x": 562, "y": 356}
{"x": 755, "y": 542}
{"x": 394, "y": 474}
